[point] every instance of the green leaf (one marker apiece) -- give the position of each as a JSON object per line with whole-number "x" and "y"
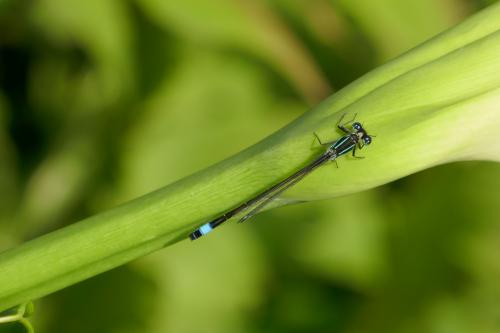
{"x": 438, "y": 103}
{"x": 233, "y": 25}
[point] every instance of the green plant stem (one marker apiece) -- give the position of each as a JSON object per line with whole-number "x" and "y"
{"x": 438, "y": 103}
{"x": 22, "y": 311}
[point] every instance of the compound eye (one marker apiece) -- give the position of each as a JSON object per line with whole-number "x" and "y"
{"x": 367, "y": 139}
{"x": 357, "y": 126}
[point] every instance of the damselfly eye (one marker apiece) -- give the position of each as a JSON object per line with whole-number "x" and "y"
{"x": 357, "y": 126}
{"x": 367, "y": 139}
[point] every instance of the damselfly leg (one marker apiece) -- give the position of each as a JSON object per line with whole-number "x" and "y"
{"x": 341, "y": 125}
{"x": 322, "y": 143}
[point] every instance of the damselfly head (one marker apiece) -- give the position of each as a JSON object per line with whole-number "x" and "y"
{"x": 357, "y": 126}
{"x": 361, "y": 133}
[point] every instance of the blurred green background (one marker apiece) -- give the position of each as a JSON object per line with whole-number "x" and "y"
{"x": 103, "y": 101}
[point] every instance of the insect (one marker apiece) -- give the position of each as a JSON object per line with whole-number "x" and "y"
{"x": 354, "y": 138}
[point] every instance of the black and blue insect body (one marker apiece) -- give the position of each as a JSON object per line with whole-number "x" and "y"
{"x": 354, "y": 138}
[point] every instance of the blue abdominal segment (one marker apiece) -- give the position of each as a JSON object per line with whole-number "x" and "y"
{"x": 206, "y": 228}
{"x": 203, "y": 230}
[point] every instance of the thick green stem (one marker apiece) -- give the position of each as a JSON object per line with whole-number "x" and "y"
{"x": 438, "y": 103}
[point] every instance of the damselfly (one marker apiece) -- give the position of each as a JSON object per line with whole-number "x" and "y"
{"x": 354, "y": 138}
